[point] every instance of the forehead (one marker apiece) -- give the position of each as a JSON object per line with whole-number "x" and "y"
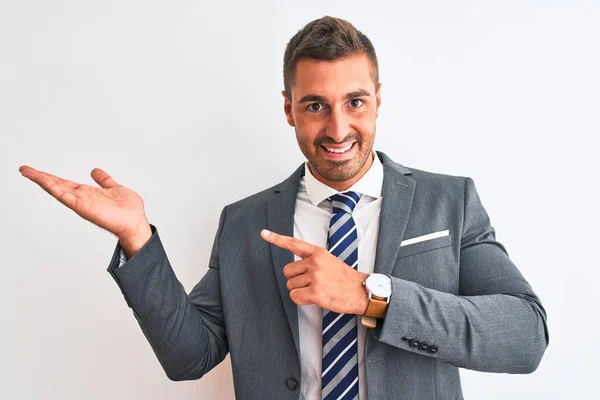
{"x": 333, "y": 79}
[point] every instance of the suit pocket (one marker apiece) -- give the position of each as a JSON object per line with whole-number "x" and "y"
{"x": 426, "y": 245}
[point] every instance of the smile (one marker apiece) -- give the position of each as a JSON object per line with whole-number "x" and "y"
{"x": 344, "y": 153}
{"x": 339, "y": 151}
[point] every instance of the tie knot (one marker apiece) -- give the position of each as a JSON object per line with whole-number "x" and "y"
{"x": 344, "y": 202}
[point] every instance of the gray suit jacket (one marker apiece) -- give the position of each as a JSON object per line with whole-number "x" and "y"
{"x": 457, "y": 300}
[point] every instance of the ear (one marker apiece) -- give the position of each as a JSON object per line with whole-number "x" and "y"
{"x": 378, "y": 97}
{"x": 287, "y": 108}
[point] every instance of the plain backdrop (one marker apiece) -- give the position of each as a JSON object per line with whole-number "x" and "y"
{"x": 180, "y": 101}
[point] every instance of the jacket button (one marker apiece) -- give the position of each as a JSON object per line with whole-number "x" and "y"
{"x": 292, "y": 384}
{"x": 424, "y": 346}
{"x": 414, "y": 343}
{"x": 433, "y": 349}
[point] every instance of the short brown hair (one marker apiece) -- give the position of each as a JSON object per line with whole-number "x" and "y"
{"x": 326, "y": 39}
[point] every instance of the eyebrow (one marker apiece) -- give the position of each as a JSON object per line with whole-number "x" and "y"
{"x": 321, "y": 99}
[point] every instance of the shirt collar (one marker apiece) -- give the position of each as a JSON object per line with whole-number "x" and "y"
{"x": 370, "y": 183}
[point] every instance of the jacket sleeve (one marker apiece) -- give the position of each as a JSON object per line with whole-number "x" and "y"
{"x": 496, "y": 323}
{"x": 186, "y": 332}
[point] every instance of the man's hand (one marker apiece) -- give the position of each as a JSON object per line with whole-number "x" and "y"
{"x": 320, "y": 277}
{"x": 111, "y": 206}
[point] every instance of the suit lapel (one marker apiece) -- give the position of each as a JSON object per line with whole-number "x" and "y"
{"x": 398, "y": 192}
{"x": 280, "y": 219}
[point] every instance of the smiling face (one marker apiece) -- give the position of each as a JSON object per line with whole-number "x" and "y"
{"x": 333, "y": 108}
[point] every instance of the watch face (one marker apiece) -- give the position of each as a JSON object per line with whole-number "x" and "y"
{"x": 379, "y": 285}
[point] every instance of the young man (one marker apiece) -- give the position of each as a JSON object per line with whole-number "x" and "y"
{"x": 371, "y": 279}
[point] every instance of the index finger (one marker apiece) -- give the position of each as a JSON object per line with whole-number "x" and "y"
{"x": 59, "y": 188}
{"x": 299, "y": 247}
{"x": 44, "y": 179}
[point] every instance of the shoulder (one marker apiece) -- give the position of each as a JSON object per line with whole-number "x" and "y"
{"x": 438, "y": 180}
{"x": 254, "y": 206}
{"x": 438, "y": 189}
{"x": 252, "y": 201}
{"x": 425, "y": 180}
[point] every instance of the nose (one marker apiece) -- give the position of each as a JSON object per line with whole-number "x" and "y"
{"x": 337, "y": 127}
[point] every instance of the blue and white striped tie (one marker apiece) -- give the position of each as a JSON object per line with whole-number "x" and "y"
{"x": 340, "y": 345}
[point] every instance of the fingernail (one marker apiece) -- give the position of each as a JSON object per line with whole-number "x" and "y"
{"x": 265, "y": 233}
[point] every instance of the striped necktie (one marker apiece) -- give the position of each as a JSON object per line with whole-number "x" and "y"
{"x": 340, "y": 345}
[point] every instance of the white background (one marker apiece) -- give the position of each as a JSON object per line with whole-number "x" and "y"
{"x": 181, "y": 102}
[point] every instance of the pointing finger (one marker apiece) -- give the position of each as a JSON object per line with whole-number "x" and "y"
{"x": 300, "y": 248}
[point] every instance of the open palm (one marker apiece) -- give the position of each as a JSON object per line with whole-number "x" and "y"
{"x": 111, "y": 206}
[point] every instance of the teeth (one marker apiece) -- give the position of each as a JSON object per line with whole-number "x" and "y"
{"x": 345, "y": 149}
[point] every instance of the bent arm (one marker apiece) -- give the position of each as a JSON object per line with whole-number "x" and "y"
{"x": 186, "y": 332}
{"x": 495, "y": 324}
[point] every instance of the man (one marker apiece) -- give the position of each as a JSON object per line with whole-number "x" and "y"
{"x": 371, "y": 279}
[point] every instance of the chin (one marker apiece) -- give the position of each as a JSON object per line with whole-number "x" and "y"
{"x": 337, "y": 171}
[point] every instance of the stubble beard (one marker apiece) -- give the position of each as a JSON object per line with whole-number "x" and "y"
{"x": 338, "y": 171}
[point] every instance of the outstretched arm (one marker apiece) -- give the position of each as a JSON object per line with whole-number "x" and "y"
{"x": 186, "y": 332}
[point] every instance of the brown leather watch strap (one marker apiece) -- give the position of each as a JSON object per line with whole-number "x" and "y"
{"x": 377, "y": 307}
{"x": 368, "y": 322}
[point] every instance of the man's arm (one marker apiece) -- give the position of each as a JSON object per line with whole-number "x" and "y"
{"x": 495, "y": 324}
{"x": 186, "y": 332}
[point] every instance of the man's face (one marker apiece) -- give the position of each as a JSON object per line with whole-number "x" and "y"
{"x": 334, "y": 105}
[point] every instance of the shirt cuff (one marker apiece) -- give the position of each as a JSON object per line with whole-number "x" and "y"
{"x": 122, "y": 258}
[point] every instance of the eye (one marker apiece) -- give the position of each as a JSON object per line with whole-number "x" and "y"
{"x": 315, "y": 107}
{"x": 355, "y": 103}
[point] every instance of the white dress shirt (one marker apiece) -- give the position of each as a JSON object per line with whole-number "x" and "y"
{"x": 311, "y": 224}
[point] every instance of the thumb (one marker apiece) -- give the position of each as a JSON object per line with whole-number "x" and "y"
{"x": 103, "y": 179}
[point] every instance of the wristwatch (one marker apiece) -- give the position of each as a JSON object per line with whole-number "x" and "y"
{"x": 379, "y": 289}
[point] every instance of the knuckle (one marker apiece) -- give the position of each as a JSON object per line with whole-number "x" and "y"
{"x": 308, "y": 266}
{"x": 321, "y": 255}
{"x": 316, "y": 274}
